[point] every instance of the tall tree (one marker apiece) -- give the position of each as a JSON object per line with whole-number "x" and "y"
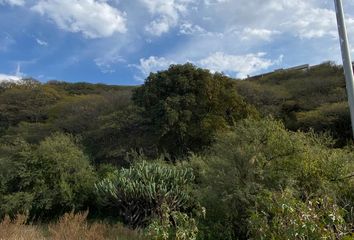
{"x": 185, "y": 106}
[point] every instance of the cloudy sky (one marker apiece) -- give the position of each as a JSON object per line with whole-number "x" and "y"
{"x": 122, "y": 41}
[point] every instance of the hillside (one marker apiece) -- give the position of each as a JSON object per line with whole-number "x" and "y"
{"x": 306, "y": 99}
{"x": 188, "y": 155}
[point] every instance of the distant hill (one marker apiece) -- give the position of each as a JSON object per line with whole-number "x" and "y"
{"x": 311, "y": 98}
{"x": 314, "y": 98}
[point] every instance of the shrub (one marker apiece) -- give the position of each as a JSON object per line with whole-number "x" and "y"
{"x": 16, "y": 229}
{"x": 138, "y": 193}
{"x": 260, "y": 156}
{"x": 284, "y": 216}
{"x": 74, "y": 226}
{"x": 172, "y": 225}
{"x": 45, "y": 179}
{"x": 69, "y": 226}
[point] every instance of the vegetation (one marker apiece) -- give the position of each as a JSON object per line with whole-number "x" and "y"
{"x": 69, "y": 226}
{"x": 187, "y": 155}
{"x": 313, "y": 99}
{"x": 185, "y": 107}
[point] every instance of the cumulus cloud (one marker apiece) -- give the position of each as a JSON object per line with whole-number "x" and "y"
{"x": 13, "y": 2}
{"x": 190, "y": 29}
{"x": 93, "y": 18}
{"x": 153, "y": 64}
{"x": 166, "y": 14}
{"x": 242, "y": 65}
{"x": 313, "y": 23}
{"x": 235, "y": 65}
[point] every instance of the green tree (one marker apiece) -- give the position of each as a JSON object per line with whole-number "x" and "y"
{"x": 50, "y": 178}
{"x": 185, "y": 106}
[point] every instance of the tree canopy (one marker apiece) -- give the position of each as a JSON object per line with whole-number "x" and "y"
{"x": 186, "y": 106}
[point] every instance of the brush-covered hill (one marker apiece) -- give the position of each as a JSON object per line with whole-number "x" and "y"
{"x": 314, "y": 98}
{"x": 187, "y": 155}
{"x": 110, "y": 124}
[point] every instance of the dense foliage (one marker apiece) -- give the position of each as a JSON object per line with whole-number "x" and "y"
{"x": 140, "y": 191}
{"x": 315, "y": 98}
{"x": 50, "y": 178}
{"x": 185, "y": 106}
{"x": 259, "y": 161}
{"x": 187, "y": 155}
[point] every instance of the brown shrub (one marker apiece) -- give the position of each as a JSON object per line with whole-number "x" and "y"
{"x": 69, "y": 227}
{"x": 74, "y": 227}
{"x": 16, "y": 229}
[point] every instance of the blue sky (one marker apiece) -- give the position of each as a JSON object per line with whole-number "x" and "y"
{"x": 122, "y": 41}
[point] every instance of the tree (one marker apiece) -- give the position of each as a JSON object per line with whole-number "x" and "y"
{"x": 185, "y": 106}
{"x": 50, "y": 178}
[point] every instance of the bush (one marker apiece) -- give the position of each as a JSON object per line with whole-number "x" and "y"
{"x": 69, "y": 226}
{"x": 15, "y": 229}
{"x": 45, "y": 179}
{"x": 140, "y": 192}
{"x": 284, "y": 216}
{"x": 262, "y": 156}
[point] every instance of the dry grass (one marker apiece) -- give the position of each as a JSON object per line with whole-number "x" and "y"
{"x": 17, "y": 229}
{"x": 74, "y": 227}
{"x": 69, "y": 227}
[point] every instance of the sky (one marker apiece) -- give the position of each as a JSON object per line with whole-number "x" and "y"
{"x": 121, "y": 41}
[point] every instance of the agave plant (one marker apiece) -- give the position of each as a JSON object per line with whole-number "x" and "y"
{"x": 139, "y": 191}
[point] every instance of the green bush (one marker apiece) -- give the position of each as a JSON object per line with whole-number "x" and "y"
{"x": 284, "y": 216}
{"x": 139, "y": 193}
{"x": 46, "y": 179}
{"x": 263, "y": 156}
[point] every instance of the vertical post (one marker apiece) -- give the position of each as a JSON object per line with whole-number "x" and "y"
{"x": 347, "y": 62}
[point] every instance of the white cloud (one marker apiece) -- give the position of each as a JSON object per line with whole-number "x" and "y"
{"x": 13, "y": 2}
{"x": 107, "y": 63}
{"x": 166, "y": 13}
{"x": 93, "y": 18}
{"x": 190, "y": 29}
{"x": 263, "y": 34}
{"x": 243, "y": 65}
{"x": 9, "y": 78}
{"x": 313, "y": 23}
{"x": 236, "y": 65}
{"x": 153, "y": 64}
{"x": 41, "y": 42}
{"x": 211, "y": 2}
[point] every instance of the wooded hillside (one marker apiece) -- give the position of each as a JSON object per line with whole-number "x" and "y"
{"x": 187, "y": 155}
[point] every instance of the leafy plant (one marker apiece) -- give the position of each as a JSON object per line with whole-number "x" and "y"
{"x": 283, "y": 216}
{"x": 46, "y": 179}
{"x": 139, "y": 192}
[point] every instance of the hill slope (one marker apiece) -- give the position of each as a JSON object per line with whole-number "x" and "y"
{"x": 315, "y": 99}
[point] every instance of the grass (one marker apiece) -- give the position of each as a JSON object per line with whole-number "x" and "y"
{"x": 69, "y": 227}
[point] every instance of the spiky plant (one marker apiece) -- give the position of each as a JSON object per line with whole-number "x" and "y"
{"x": 139, "y": 191}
